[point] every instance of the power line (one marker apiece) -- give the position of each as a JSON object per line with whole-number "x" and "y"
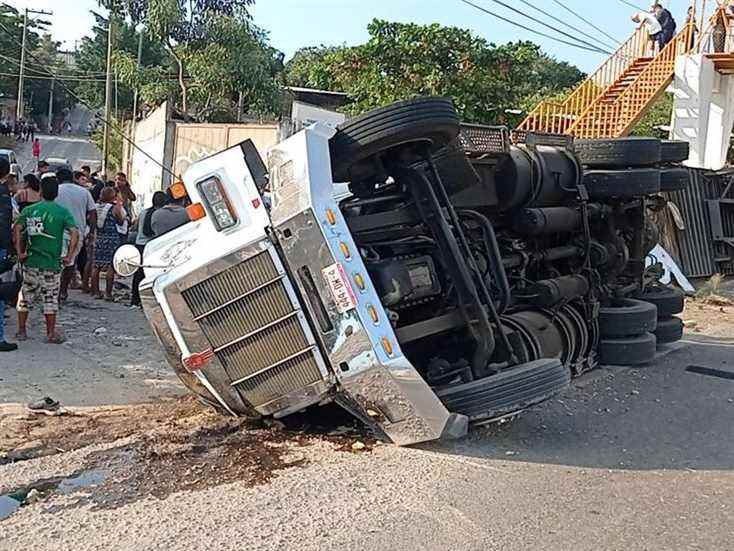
{"x": 521, "y": 26}
{"x": 551, "y": 27}
{"x": 104, "y": 119}
{"x": 55, "y": 77}
{"x": 631, "y": 5}
{"x": 562, "y": 22}
{"x": 35, "y": 70}
{"x": 565, "y": 7}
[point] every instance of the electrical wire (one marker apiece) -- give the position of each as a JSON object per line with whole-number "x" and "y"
{"x": 104, "y": 118}
{"x": 582, "y": 18}
{"x": 35, "y": 70}
{"x": 562, "y": 22}
{"x": 551, "y": 27}
{"x": 631, "y": 5}
{"x": 55, "y": 77}
{"x": 521, "y": 26}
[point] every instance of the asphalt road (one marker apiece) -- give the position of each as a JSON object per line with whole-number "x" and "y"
{"x": 78, "y": 150}
{"x": 634, "y": 459}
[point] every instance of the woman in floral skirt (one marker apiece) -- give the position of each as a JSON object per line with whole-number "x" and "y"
{"x": 110, "y": 214}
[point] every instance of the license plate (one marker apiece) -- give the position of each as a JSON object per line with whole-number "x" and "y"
{"x": 341, "y": 290}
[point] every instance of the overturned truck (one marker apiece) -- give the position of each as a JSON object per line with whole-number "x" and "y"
{"x": 423, "y": 274}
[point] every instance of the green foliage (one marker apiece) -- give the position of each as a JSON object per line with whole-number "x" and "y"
{"x": 38, "y": 91}
{"x": 216, "y": 54}
{"x": 660, "y": 114}
{"x": 401, "y": 60}
{"x": 114, "y": 145}
{"x": 91, "y": 58}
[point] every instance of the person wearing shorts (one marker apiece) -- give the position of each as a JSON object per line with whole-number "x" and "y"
{"x": 39, "y": 239}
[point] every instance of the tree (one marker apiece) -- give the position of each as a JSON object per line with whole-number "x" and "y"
{"x": 217, "y": 52}
{"x": 659, "y": 114}
{"x": 45, "y": 62}
{"x": 11, "y": 36}
{"x": 401, "y": 60}
{"x": 91, "y": 60}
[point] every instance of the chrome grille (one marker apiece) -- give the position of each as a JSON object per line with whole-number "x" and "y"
{"x": 255, "y": 329}
{"x": 267, "y": 386}
{"x": 226, "y": 286}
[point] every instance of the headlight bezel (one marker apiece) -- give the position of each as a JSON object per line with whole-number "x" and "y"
{"x": 217, "y": 204}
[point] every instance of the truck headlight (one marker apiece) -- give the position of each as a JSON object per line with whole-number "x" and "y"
{"x": 217, "y": 203}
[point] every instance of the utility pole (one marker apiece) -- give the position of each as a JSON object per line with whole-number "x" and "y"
{"x": 51, "y": 105}
{"x": 107, "y": 99}
{"x": 21, "y": 76}
{"x": 129, "y": 167}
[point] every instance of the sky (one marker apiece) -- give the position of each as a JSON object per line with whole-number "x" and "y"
{"x": 293, "y": 24}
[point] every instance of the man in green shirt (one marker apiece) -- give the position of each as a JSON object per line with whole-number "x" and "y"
{"x": 39, "y": 236}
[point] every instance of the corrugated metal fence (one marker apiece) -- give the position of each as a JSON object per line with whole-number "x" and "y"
{"x": 698, "y": 254}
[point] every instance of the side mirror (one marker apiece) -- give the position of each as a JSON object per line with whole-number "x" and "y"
{"x": 127, "y": 260}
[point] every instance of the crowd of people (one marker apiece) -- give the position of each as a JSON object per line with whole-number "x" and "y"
{"x": 24, "y": 131}
{"x": 59, "y": 231}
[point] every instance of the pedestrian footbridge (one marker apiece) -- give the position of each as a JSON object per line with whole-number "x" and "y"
{"x": 608, "y": 104}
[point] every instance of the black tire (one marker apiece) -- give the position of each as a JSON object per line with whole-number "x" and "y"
{"x": 668, "y": 300}
{"x": 669, "y": 330}
{"x": 627, "y": 317}
{"x": 673, "y": 151}
{"x": 433, "y": 120}
{"x": 674, "y": 179}
{"x": 510, "y": 391}
{"x": 637, "y": 350}
{"x": 618, "y": 153}
{"x": 633, "y": 182}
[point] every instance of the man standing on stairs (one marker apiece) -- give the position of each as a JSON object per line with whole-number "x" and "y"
{"x": 653, "y": 28}
{"x": 667, "y": 23}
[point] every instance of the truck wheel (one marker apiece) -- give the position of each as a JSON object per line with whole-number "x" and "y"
{"x": 432, "y": 120}
{"x": 634, "y": 182}
{"x": 509, "y": 391}
{"x": 674, "y": 151}
{"x": 674, "y": 179}
{"x": 627, "y": 317}
{"x": 669, "y": 330}
{"x": 637, "y": 350}
{"x": 669, "y": 300}
{"x": 618, "y": 153}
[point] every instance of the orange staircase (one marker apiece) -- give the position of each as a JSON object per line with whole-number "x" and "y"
{"x": 611, "y": 101}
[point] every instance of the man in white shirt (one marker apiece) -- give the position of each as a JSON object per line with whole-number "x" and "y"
{"x": 652, "y": 26}
{"x": 81, "y": 205}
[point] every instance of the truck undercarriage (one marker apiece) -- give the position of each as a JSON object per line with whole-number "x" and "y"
{"x": 456, "y": 278}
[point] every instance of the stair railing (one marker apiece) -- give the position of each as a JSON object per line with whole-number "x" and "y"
{"x": 608, "y": 120}
{"x": 557, "y": 117}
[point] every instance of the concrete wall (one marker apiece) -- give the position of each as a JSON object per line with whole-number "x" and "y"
{"x": 177, "y": 145}
{"x": 703, "y": 111}
{"x": 196, "y": 141}
{"x": 152, "y": 136}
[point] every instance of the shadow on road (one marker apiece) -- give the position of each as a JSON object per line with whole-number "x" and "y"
{"x": 658, "y": 417}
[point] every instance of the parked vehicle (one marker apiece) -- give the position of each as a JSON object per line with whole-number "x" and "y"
{"x": 456, "y": 280}
{"x": 9, "y": 155}
{"x": 57, "y": 163}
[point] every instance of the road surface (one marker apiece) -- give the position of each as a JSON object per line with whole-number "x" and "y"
{"x": 77, "y": 149}
{"x": 634, "y": 459}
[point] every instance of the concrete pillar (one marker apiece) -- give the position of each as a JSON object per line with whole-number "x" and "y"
{"x": 703, "y": 110}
